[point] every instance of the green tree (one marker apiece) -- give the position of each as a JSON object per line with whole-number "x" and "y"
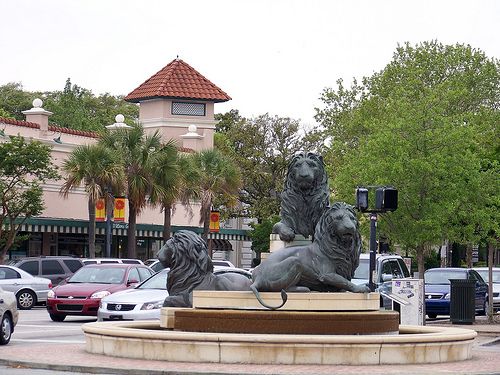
{"x": 24, "y": 166}
{"x": 262, "y": 148}
{"x": 96, "y": 168}
{"x": 260, "y": 235}
{"x": 14, "y": 100}
{"x": 218, "y": 176}
{"x": 418, "y": 125}
{"x": 141, "y": 155}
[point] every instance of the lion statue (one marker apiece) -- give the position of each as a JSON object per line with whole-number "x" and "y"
{"x": 325, "y": 265}
{"x": 304, "y": 198}
{"x": 191, "y": 268}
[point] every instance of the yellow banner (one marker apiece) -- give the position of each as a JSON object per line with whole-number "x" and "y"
{"x": 100, "y": 210}
{"x": 214, "y": 221}
{"x": 119, "y": 211}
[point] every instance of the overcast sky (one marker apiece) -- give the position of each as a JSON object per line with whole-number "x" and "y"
{"x": 270, "y": 56}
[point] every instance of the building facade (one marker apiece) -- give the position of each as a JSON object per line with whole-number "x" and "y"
{"x": 178, "y": 102}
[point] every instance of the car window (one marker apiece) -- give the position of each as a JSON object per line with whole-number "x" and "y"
{"x": 73, "y": 264}
{"x": 8, "y": 273}
{"x": 30, "y": 266}
{"x": 157, "y": 281}
{"x": 109, "y": 261}
{"x": 130, "y": 261}
{"x": 98, "y": 275}
{"x": 144, "y": 273}
{"x": 362, "y": 272}
{"x": 443, "y": 276}
{"x": 87, "y": 262}
{"x": 133, "y": 275}
{"x": 402, "y": 264}
{"x": 484, "y": 274}
{"x": 473, "y": 275}
{"x": 51, "y": 267}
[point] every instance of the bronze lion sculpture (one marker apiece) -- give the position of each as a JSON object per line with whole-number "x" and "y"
{"x": 191, "y": 268}
{"x": 304, "y": 198}
{"x": 325, "y": 265}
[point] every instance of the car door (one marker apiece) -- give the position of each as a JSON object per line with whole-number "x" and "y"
{"x": 480, "y": 291}
{"x": 10, "y": 280}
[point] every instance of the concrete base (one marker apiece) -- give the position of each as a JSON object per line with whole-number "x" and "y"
{"x": 413, "y": 345}
{"x": 276, "y": 243}
{"x": 313, "y": 301}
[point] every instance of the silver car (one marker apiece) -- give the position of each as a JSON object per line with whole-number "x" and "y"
{"x": 495, "y": 280}
{"x": 28, "y": 289}
{"x": 8, "y": 315}
{"x": 143, "y": 302}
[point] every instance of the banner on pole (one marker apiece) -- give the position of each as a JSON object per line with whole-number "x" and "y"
{"x": 214, "y": 221}
{"x": 100, "y": 210}
{"x": 119, "y": 210}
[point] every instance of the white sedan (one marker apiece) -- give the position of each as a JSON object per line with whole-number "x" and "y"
{"x": 29, "y": 289}
{"x": 140, "y": 303}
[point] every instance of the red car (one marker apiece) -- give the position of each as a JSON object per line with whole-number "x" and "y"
{"x": 83, "y": 291}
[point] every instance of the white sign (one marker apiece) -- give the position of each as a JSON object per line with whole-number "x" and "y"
{"x": 412, "y": 292}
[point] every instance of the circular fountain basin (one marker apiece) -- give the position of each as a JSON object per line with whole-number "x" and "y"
{"x": 147, "y": 340}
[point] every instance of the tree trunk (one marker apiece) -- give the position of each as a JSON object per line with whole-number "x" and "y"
{"x": 468, "y": 255}
{"x": 167, "y": 221}
{"x": 206, "y": 225}
{"x": 132, "y": 224}
{"x": 420, "y": 261}
{"x": 91, "y": 203}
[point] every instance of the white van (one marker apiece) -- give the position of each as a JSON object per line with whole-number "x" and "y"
{"x": 88, "y": 261}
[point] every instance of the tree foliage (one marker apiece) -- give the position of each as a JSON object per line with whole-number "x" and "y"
{"x": 73, "y": 107}
{"x": 24, "y": 166}
{"x": 426, "y": 124}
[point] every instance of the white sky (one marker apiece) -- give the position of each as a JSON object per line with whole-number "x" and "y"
{"x": 272, "y": 56}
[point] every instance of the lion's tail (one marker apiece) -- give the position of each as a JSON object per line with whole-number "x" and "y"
{"x": 284, "y": 298}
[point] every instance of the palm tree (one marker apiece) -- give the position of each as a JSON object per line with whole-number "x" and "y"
{"x": 218, "y": 176}
{"x": 141, "y": 155}
{"x": 95, "y": 167}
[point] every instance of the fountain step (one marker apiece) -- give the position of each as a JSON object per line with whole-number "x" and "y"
{"x": 287, "y": 322}
{"x": 312, "y": 301}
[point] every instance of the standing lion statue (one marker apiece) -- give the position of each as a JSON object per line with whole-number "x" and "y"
{"x": 304, "y": 198}
{"x": 191, "y": 268}
{"x": 325, "y": 265}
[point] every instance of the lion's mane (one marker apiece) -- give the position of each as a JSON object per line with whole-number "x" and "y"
{"x": 301, "y": 209}
{"x": 188, "y": 261}
{"x": 343, "y": 252}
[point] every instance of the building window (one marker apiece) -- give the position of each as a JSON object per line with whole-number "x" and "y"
{"x": 188, "y": 109}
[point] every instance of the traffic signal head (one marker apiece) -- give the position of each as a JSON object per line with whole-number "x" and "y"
{"x": 386, "y": 199}
{"x": 362, "y": 199}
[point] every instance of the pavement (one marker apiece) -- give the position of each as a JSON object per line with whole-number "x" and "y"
{"x": 73, "y": 358}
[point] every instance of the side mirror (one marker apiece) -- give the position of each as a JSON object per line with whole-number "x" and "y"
{"x": 132, "y": 282}
{"x": 386, "y": 277}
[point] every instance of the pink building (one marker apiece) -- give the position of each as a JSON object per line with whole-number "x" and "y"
{"x": 178, "y": 102}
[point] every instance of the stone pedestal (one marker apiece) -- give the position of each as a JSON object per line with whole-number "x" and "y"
{"x": 276, "y": 243}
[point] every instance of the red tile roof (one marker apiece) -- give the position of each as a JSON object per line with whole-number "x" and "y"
{"x": 53, "y": 128}
{"x": 178, "y": 80}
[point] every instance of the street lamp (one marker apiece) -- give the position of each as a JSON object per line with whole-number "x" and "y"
{"x": 119, "y": 124}
{"x": 386, "y": 199}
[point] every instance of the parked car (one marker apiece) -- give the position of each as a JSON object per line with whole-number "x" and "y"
{"x": 140, "y": 303}
{"x": 83, "y": 291}
{"x": 154, "y": 264}
{"x": 88, "y": 261}
{"x": 29, "y": 290}
{"x": 222, "y": 263}
{"x": 438, "y": 287}
{"x": 146, "y": 300}
{"x": 55, "y": 268}
{"x": 495, "y": 281}
{"x": 387, "y": 267}
{"x": 9, "y": 315}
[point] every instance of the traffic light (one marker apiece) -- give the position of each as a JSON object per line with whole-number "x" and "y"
{"x": 386, "y": 199}
{"x": 362, "y": 199}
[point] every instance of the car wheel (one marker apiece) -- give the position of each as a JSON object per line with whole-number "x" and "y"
{"x": 432, "y": 316}
{"x": 25, "y": 299}
{"x": 57, "y": 317}
{"x": 6, "y": 328}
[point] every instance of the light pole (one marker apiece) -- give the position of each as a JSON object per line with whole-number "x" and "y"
{"x": 119, "y": 124}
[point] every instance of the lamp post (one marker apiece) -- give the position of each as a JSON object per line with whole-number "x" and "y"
{"x": 119, "y": 124}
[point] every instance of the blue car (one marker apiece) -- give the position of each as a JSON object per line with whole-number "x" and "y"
{"x": 437, "y": 289}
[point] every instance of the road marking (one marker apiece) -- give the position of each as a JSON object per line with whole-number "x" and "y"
{"x": 50, "y": 341}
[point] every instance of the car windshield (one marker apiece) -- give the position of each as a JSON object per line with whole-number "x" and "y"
{"x": 484, "y": 274}
{"x": 98, "y": 275}
{"x": 157, "y": 281}
{"x": 363, "y": 270}
{"x": 442, "y": 277}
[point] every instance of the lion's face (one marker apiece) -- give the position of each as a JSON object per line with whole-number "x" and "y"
{"x": 339, "y": 221}
{"x": 306, "y": 171}
{"x": 165, "y": 253}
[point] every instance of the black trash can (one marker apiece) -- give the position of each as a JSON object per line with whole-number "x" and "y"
{"x": 462, "y": 300}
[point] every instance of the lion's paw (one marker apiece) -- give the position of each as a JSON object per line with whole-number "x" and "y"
{"x": 287, "y": 236}
{"x": 361, "y": 289}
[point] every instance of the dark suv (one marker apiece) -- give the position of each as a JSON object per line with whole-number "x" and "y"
{"x": 55, "y": 268}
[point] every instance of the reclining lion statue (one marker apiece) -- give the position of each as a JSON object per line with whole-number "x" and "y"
{"x": 325, "y": 265}
{"x": 304, "y": 198}
{"x": 191, "y": 268}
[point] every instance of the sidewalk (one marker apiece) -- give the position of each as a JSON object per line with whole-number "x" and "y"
{"x": 74, "y": 358}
